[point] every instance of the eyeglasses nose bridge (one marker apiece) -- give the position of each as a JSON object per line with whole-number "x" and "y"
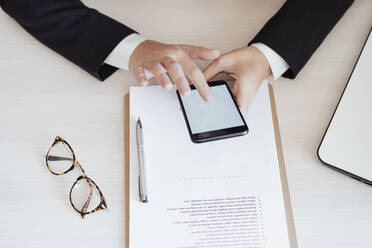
{"x": 76, "y": 163}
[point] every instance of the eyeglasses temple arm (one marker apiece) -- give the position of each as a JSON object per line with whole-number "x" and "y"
{"x": 57, "y": 158}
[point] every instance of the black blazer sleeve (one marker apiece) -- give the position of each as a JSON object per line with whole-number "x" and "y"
{"x": 80, "y": 34}
{"x": 298, "y": 29}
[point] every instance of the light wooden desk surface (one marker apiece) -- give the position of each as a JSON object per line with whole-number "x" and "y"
{"x": 43, "y": 95}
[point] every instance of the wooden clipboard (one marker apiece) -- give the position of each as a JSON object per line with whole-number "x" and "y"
{"x": 283, "y": 175}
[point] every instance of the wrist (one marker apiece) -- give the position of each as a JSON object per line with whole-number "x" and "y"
{"x": 261, "y": 64}
{"x": 137, "y": 51}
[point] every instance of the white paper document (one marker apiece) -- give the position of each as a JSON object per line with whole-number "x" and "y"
{"x": 224, "y": 193}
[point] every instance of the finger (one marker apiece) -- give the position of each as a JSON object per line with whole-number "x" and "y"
{"x": 234, "y": 90}
{"x": 197, "y": 78}
{"x": 160, "y": 76}
{"x": 196, "y": 52}
{"x": 140, "y": 76}
{"x": 177, "y": 75}
{"x": 149, "y": 74}
{"x": 217, "y": 66}
{"x": 246, "y": 92}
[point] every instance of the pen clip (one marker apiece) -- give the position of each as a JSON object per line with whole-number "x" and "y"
{"x": 139, "y": 188}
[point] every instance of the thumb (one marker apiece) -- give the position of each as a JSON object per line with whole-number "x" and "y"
{"x": 196, "y": 52}
{"x": 246, "y": 92}
{"x": 222, "y": 64}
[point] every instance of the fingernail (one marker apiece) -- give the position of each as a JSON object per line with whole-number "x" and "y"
{"x": 168, "y": 86}
{"x": 186, "y": 93}
{"x": 208, "y": 98}
{"x": 144, "y": 83}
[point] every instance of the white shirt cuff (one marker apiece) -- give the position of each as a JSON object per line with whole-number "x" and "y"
{"x": 277, "y": 63}
{"x": 119, "y": 57}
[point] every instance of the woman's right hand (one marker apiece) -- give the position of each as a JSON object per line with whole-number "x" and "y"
{"x": 248, "y": 65}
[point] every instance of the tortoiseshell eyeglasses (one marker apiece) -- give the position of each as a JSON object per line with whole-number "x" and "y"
{"x": 85, "y": 195}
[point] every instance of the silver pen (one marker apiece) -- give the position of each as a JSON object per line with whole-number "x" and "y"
{"x": 141, "y": 163}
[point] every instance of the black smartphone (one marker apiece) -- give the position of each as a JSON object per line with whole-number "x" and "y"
{"x": 214, "y": 120}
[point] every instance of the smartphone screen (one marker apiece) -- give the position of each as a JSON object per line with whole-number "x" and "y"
{"x": 221, "y": 113}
